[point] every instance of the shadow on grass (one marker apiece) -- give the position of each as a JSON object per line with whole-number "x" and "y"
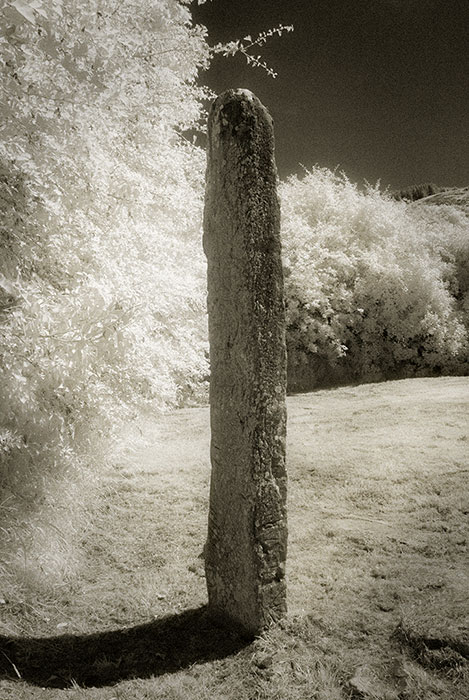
{"x": 163, "y": 646}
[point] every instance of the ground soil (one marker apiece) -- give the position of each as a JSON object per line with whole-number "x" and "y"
{"x": 378, "y": 574}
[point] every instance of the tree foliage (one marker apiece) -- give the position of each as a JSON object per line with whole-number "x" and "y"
{"x": 375, "y": 288}
{"x": 101, "y": 274}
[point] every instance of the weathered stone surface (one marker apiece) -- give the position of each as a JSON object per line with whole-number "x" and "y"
{"x": 247, "y": 530}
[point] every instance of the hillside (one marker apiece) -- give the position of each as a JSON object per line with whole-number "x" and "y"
{"x": 451, "y": 196}
{"x": 377, "y": 566}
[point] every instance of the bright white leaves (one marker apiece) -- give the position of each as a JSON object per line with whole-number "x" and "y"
{"x": 369, "y": 280}
{"x": 102, "y": 290}
{"x": 244, "y": 46}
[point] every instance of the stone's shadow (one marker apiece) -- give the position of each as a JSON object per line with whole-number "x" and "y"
{"x": 166, "y": 645}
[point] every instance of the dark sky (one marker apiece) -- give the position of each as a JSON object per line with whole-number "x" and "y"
{"x": 379, "y": 88}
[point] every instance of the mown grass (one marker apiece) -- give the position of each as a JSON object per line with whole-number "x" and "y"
{"x": 377, "y": 566}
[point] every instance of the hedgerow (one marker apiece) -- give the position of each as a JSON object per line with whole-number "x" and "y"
{"x": 375, "y": 288}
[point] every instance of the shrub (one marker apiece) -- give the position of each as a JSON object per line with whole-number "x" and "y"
{"x": 372, "y": 284}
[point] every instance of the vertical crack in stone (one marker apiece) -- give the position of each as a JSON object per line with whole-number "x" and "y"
{"x": 247, "y": 531}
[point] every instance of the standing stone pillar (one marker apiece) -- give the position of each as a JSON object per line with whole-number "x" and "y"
{"x": 247, "y": 530}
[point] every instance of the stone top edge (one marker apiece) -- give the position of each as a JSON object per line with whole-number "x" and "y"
{"x": 239, "y": 95}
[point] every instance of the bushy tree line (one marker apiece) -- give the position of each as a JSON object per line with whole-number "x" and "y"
{"x": 375, "y": 288}
{"x": 414, "y": 192}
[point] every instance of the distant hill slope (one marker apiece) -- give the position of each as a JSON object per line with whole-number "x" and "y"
{"x": 453, "y": 196}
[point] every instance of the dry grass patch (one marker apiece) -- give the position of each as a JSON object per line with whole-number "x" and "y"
{"x": 377, "y": 566}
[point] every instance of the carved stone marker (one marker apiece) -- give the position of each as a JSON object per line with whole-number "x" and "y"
{"x": 247, "y": 530}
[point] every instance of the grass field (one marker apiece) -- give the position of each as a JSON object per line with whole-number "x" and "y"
{"x": 378, "y": 569}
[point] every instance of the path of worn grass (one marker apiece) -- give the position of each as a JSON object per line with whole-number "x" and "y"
{"x": 377, "y": 571}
